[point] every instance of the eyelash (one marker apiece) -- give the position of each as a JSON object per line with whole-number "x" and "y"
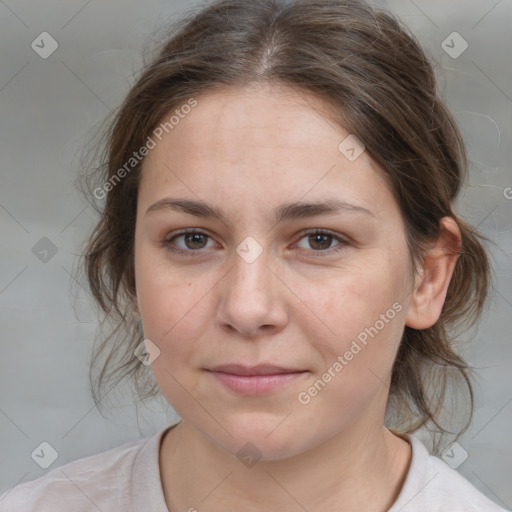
{"x": 166, "y": 243}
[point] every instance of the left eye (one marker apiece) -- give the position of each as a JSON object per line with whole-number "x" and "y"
{"x": 193, "y": 241}
{"x": 320, "y": 241}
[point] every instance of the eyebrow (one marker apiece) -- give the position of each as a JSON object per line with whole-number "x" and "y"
{"x": 286, "y": 211}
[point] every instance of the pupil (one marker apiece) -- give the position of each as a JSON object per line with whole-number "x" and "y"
{"x": 194, "y": 238}
{"x": 319, "y": 236}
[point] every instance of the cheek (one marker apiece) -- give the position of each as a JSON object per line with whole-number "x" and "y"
{"x": 175, "y": 321}
{"x": 355, "y": 364}
{"x": 174, "y": 313}
{"x": 357, "y": 325}
{"x": 348, "y": 301}
{"x": 166, "y": 294}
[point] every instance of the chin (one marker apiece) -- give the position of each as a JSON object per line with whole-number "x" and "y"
{"x": 262, "y": 436}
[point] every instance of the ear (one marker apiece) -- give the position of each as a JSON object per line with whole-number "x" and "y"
{"x": 431, "y": 284}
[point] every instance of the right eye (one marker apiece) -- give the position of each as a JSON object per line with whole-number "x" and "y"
{"x": 192, "y": 242}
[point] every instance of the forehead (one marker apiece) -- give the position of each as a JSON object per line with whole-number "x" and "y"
{"x": 265, "y": 142}
{"x": 269, "y": 119}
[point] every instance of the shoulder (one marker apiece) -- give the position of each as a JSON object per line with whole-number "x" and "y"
{"x": 98, "y": 482}
{"x": 432, "y": 485}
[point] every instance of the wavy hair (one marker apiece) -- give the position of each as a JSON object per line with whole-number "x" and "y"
{"x": 381, "y": 87}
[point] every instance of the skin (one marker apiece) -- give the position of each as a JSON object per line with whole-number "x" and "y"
{"x": 246, "y": 151}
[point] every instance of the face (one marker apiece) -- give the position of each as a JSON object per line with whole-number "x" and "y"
{"x": 257, "y": 286}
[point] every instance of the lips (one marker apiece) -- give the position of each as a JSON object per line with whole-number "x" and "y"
{"x": 261, "y": 369}
{"x": 256, "y": 380}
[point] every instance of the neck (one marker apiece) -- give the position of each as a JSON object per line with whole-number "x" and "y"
{"x": 357, "y": 469}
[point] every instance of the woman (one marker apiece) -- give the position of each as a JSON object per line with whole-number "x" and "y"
{"x": 279, "y": 190}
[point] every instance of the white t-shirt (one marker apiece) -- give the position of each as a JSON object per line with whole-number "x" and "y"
{"x": 127, "y": 479}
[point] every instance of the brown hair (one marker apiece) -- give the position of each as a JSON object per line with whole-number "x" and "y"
{"x": 380, "y": 85}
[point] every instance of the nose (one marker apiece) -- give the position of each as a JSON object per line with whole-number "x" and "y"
{"x": 253, "y": 298}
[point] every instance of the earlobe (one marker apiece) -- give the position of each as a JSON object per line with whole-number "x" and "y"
{"x": 431, "y": 286}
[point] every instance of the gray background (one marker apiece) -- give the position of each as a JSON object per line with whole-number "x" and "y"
{"x": 47, "y": 109}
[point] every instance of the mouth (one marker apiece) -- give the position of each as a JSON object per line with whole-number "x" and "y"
{"x": 260, "y": 369}
{"x": 255, "y": 380}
